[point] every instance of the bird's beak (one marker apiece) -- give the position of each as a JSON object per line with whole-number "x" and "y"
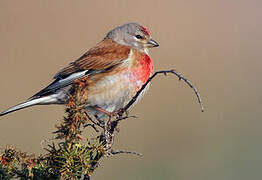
{"x": 152, "y": 43}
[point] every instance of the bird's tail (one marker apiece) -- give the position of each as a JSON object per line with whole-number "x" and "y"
{"x": 30, "y": 102}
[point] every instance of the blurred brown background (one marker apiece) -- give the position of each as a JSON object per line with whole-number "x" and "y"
{"x": 215, "y": 43}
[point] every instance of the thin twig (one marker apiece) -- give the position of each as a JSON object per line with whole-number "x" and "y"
{"x": 115, "y": 152}
{"x": 125, "y": 117}
{"x": 91, "y": 119}
{"x": 93, "y": 126}
{"x": 165, "y": 73}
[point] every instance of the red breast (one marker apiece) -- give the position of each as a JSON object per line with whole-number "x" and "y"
{"x": 146, "y": 68}
{"x": 142, "y": 68}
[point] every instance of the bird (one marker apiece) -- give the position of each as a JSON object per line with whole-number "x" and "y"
{"x": 116, "y": 67}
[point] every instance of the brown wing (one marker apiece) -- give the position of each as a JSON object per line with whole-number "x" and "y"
{"x": 103, "y": 56}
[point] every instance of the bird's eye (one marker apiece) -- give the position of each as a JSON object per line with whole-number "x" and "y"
{"x": 139, "y": 37}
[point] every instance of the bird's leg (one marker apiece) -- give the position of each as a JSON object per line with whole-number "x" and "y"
{"x": 110, "y": 114}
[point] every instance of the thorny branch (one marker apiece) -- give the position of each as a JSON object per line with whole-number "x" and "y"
{"x": 165, "y": 72}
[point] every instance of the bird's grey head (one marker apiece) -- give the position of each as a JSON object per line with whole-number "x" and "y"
{"x": 134, "y": 35}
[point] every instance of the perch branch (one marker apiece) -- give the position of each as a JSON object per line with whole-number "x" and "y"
{"x": 165, "y": 72}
